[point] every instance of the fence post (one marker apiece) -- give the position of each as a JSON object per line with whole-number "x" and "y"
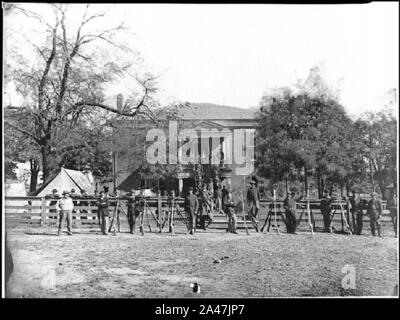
{"x": 43, "y": 212}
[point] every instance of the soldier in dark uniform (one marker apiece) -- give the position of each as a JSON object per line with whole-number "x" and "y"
{"x": 230, "y": 212}
{"x": 224, "y": 192}
{"x": 374, "y": 211}
{"x": 192, "y": 206}
{"x": 131, "y": 211}
{"x": 218, "y": 199}
{"x": 325, "y": 207}
{"x": 206, "y": 210}
{"x": 357, "y": 206}
{"x": 290, "y": 218}
{"x": 253, "y": 199}
{"x": 103, "y": 211}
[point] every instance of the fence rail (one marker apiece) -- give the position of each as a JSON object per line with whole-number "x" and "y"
{"x": 41, "y": 211}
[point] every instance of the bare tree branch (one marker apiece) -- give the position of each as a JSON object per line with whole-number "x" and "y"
{"x": 23, "y": 131}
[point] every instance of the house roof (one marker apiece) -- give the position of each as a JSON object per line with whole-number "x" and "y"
{"x": 211, "y": 111}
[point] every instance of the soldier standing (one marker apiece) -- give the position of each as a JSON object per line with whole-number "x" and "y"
{"x": 325, "y": 207}
{"x": 103, "y": 211}
{"x": 357, "y": 207}
{"x": 206, "y": 207}
{"x": 290, "y": 212}
{"x": 375, "y": 211}
{"x": 131, "y": 212}
{"x": 192, "y": 205}
{"x": 65, "y": 207}
{"x": 230, "y": 212}
{"x": 253, "y": 199}
{"x": 218, "y": 198}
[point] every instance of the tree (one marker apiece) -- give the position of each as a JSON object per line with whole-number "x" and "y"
{"x": 303, "y": 128}
{"x": 66, "y": 80}
{"x": 376, "y": 133}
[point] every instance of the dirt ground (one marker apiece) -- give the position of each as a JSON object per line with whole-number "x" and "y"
{"x": 89, "y": 264}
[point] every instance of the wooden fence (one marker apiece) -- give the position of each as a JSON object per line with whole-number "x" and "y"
{"x": 37, "y": 211}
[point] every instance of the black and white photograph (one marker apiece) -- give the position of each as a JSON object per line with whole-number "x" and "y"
{"x": 200, "y": 151}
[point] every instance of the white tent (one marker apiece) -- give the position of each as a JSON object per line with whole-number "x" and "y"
{"x": 65, "y": 180}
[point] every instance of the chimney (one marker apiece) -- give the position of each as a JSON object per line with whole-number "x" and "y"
{"x": 120, "y": 104}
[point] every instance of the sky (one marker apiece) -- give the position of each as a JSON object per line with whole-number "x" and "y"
{"x": 232, "y": 54}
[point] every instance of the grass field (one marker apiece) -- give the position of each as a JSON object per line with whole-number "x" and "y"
{"x": 88, "y": 264}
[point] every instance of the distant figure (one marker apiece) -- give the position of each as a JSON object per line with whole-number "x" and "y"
{"x": 206, "y": 209}
{"x": 84, "y": 195}
{"x": 357, "y": 206}
{"x": 54, "y": 197}
{"x": 392, "y": 206}
{"x": 54, "y": 194}
{"x": 224, "y": 193}
{"x": 230, "y": 212}
{"x": 375, "y": 211}
{"x": 192, "y": 206}
{"x": 105, "y": 190}
{"x": 253, "y": 199}
{"x": 103, "y": 211}
{"x": 325, "y": 207}
{"x": 65, "y": 206}
{"x": 73, "y": 194}
{"x": 290, "y": 212}
{"x": 218, "y": 199}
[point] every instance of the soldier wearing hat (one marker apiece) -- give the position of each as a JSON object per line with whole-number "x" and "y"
{"x": 253, "y": 199}
{"x": 65, "y": 207}
{"x": 206, "y": 209}
{"x": 325, "y": 207}
{"x": 289, "y": 205}
{"x": 192, "y": 206}
{"x": 374, "y": 211}
{"x": 135, "y": 211}
{"x": 230, "y": 212}
{"x": 357, "y": 206}
{"x": 103, "y": 211}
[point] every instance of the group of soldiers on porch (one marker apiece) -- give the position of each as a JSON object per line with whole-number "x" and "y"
{"x": 201, "y": 203}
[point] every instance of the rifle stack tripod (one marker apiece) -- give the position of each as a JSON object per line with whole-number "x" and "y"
{"x": 144, "y": 212}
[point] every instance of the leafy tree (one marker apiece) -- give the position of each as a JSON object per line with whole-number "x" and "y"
{"x": 66, "y": 79}
{"x": 303, "y": 128}
{"x": 376, "y": 134}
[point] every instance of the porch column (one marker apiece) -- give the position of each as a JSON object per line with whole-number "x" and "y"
{"x": 180, "y": 186}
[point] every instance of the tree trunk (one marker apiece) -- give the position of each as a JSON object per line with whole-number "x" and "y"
{"x": 306, "y": 179}
{"x": 319, "y": 184}
{"x": 382, "y": 187}
{"x": 45, "y": 152}
{"x": 287, "y": 185}
{"x": 34, "y": 168}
